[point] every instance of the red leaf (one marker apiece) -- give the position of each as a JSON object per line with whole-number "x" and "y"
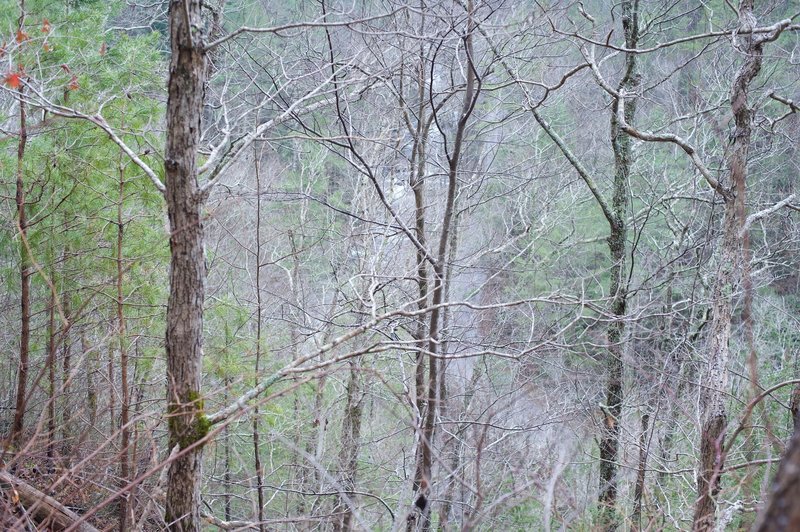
{"x": 12, "y": 80}
{"x": 103, "y": 49}
{"x": 66, "y": 69}
{"x": 47, "y": 47}
{"x": 45, "y": 26}
{"x": 73, "y": 84}
{"x": 22, "y": 36}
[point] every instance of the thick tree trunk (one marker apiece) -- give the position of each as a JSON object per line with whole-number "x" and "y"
{"x": 184, "y": 336}
{"x": 781, "y": 513}
{"x": 715, "y": 382}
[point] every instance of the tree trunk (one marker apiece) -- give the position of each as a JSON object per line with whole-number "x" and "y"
{"x": 795, "y": 406}
{"x": 24, "y": 267}
{"x": 184, "y": 337}
{"x": 51, "y": 383}
{"x": 66, "y": 368}
{"x": 424, "y": 462}
{"x": 715, "y": 382}
{"x": 781, "y": 513}
{"x": 123, "y": 357}
{"x": 259, "y": 315}
{"x": 226, "y": 476}
{"x": 617, "y": 244}
{"x": 91, "y": 391}
{"x": 112, "y": 392}
{"x": 351, "y": 442}
{"x": 641, "y": 473}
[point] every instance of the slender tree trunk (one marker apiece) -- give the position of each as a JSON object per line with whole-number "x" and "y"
{"x": 419, "y": 335}
{"x": 715, "y": 382}
{"x": 112, "y": 392}
{"x": 66, "y": 368}
{"x": 259, "y": 315}
{"x": 138, "y": 397}
{"x": 91, "y": 390}
{"x": 448, "y": 445}
{"x": 617, "y": 244}
{"x": 24, "y": 267}
{"x": 424, "y": 466}
{"x": 184, "y": 337}
{"x": 226, "y": 476}
{"x": 124, "y": 466}
{"x": 417, "y": 182}
{"x": 641, "y": 472}
{"x": 51, "y": 382}
{"x": 458, "y": 451}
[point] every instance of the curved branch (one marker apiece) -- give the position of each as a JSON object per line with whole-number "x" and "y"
{"x": 653, "y": 137}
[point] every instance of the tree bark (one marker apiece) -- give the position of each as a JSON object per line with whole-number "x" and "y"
{"x": 24, "y": 267}
{"x": 641, "y": 473}
{"x": 112, "y": 392}
{"x": 351, "y": 443}
{"x": 124, "y": 466}
{"x": 715, "y": 382}
{"x": 781, "y": 513}
{"x": 66, "y": 367}
{"x": 259, "y": 317}
{"x": 184, "y": 336}
{"x": 617, "y": 244}
{"x": 91, "y": 368}
{"x": 51, "y": 382}
{"x": 420, "y": 516}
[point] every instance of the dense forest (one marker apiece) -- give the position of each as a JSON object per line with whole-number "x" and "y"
{"x": 410, "y": 265}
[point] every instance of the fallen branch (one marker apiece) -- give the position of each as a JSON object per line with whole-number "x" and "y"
{"x": 40, "y": 507}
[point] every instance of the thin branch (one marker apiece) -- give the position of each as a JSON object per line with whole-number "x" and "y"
{"x": 242, "y": 403}
{"x": 299, "y": 25}
{"x": 771, "y": 31}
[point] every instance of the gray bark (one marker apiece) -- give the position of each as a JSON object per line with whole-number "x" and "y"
{"x": 184, "y": 336}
